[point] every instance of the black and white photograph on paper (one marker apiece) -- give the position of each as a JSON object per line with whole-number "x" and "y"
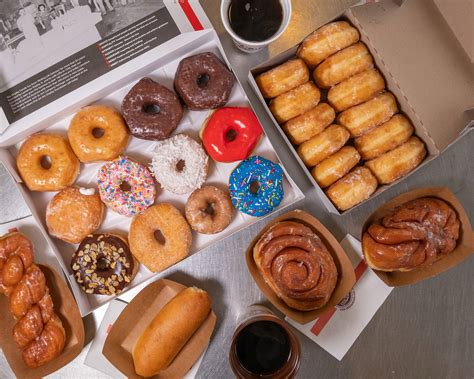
{"x": 35, "y": 34}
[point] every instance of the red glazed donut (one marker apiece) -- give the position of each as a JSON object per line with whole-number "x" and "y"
{"x": 231, "y": 133}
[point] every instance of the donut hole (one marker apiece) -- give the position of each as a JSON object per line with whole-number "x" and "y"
{"x": 254, "y": 187}
{"x": 151, "y": 108}
{"x": 103, "y": 264}
{"x": 46, "y": 162}
{"x": 209, "y": 209}
{"x": 203, "y": 80}
{"x": 159, "y": 237}
{"x": 98, "y": 132}
{"x": 125, "y": 186}
{"x": 180, "y": 165}
{"x": 231, "y": 135}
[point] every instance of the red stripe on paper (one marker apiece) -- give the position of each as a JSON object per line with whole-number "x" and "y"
{"x": 189, "y": 12}
{"x": 325, "y": 317}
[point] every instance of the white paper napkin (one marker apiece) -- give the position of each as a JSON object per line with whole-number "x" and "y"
{"x": 97, "y": 360}
{"x": 337, "y": 329}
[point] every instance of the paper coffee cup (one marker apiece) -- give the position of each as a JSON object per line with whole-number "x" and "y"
{"x": 253, "y": 46}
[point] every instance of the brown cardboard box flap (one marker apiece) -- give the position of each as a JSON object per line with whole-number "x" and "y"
{"x": 464, "y": 248}
{"x": 426, "y": 60}
{"x": 135, "y": 318}
{"x": 459, "y": 14}
{"x": 66, "y": 308}
{"x": 346, "y": 279}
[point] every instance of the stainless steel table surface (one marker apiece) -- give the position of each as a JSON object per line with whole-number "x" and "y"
{"x": 422, "y": 331}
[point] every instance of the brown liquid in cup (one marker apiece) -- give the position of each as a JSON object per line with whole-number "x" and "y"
{"x": 264, "y": 347}
{"x": 255, "y": 20}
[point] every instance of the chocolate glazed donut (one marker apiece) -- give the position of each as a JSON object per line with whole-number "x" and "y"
{"x": 203, "y": 81}
{"x": 151, "y": 110}
{"x": 295, "y": 263}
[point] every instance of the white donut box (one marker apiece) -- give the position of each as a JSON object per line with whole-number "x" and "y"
{"x": 160, "y": 64}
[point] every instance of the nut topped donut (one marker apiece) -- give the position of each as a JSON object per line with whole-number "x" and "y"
{"x": 97, "y": 133}
{"x": 151, "y": 110}
{"x": 103, "y": 264}
{"x": 203, "y": 81}
{"x": 46, "y": 162}
{"x": 180, "y": 164}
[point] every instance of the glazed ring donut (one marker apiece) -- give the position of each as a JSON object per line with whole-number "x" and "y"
{"x": 356, "y": 89}
{"x": 310, "y": 123}
{"x": 46, "y": 162}
{"x": 326, "y": 41}
{"x": 323, "y": 145}
{"x": 209, "y": 210}
{"x": 180, "y": 164}
{"x": 335, "y": 166}
{"x": 256, "y": 186}
{"x": 283, "y": 78}
{"x": 398, "y": 162}
{"x": 342, "y": 65}
{"x": 152, "y": 111}
{"x": 352, "y": 189}
{"x": 295, "y": 102}
{"x": 74, "y": 213}
{"x": 385, "y": 137}
{"x": 97, "y": 133}
{"x": 160, "y": 237}
{"x": 103, "y": 264}
{"x": 126, "y": 186}
{"x": 231, "y": 133}
{"x": 364, "y": 117}
{"x": 203, "y": 81}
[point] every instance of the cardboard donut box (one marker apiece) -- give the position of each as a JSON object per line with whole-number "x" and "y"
{"x": 423, "y": 49}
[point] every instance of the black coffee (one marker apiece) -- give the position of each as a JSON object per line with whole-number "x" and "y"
{"x": 263, "y": 347}
{"x": 255, "y": 20}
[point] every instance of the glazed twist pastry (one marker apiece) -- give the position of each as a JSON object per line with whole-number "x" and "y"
{"x": 296, "y": 265}
{"x": 417, "y": 233}
{"x": 38, "y": 330}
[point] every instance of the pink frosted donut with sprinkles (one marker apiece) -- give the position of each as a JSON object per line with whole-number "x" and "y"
{"x": 126, "y": 186}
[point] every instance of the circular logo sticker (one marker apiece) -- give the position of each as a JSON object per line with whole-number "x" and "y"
{"x": 347, "y": 301}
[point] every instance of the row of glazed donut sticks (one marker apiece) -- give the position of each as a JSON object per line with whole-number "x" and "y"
{"x": 142, "y": 151}
{"x": 355, "y": 139}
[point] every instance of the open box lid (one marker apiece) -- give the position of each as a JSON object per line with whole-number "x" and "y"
{"x": 429, "y": 64}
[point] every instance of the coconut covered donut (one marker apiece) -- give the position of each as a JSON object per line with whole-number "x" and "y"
{"x": 180, "y": 164}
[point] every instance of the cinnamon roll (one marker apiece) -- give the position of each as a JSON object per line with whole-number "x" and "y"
{"x": 296, "y": 265}
{"x": 415, "y": 234}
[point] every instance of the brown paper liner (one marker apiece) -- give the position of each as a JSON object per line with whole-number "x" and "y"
{"x": 464, "y": 248}
{"x": 66, "y": 308}
{"x": 346, "y": 278}
{"x": 135, "y": 318}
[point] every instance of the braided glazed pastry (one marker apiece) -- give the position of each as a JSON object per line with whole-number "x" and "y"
{"x": 38, "y": 331}
{"x": 296, "y": 265}
{"x": 417, "y": 233}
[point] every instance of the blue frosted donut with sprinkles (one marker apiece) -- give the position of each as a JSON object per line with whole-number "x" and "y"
{"x": 256, "y": 186}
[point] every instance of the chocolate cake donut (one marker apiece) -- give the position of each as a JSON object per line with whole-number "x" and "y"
{"x": 203, "y": 81}
{"x": 103, "y": 264}
{"x": 151, "y": 110}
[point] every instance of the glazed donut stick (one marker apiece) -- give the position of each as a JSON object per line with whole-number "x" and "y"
{"x": 385, "y": 137}
{"x": 356, "y": 89}
{"x": 398, "y": 162}
{"x": 335, "y": 166}
{"x": 323, "y": 145}
{"x": 295, "y": 102}
{"x": 353, "y": 188}
{"x": 342, "y": 65}
{"x": 326, "y": 41}
{"x": 283, "y": 78}
{"x": 310, "y": 123}
{"x": 366, "y": 116}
